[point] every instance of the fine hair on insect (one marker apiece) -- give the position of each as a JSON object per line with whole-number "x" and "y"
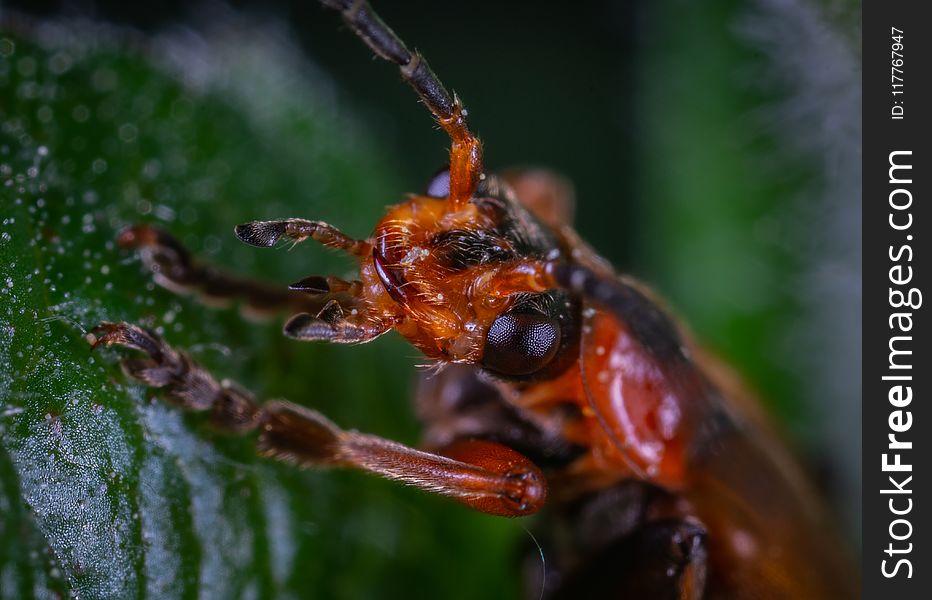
{"x": 559, "y": 386}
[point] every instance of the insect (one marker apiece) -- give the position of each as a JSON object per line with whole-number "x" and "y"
{"x": 564, "y": 387}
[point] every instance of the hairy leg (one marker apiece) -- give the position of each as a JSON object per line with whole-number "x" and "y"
{"x": 173, "y": 267}
{"x": 323, "y": 308}
{"x": 266, "y": 234}
{"x": 483, "y": 475}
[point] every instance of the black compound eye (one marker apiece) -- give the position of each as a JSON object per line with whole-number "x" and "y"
{"x": 520, "y": 344}
{"x": 439, "y": 185}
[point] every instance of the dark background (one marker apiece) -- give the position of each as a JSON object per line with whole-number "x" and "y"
{"x": 546, "y": 84}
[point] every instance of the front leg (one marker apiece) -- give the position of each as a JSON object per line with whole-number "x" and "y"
{"x": 174, "y": 268}
{"x": 483, "y": 475}
{"x": 316, "y": 303}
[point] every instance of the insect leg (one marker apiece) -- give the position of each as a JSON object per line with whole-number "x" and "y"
{"x": 466, "y": 150}
{"x": 266, "y": 234}
{"x": 483, "y": 475}
{"x": 184, "y": 382}
{"x": 174, "y": 268}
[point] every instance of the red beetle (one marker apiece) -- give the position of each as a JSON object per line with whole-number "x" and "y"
{"x": 562, "y": 384}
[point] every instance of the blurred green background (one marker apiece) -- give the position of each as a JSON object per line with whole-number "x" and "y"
{"x": 715, "y": 149}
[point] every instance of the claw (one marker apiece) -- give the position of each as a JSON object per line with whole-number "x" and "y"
{"x": 124, "y": 334}
{"x": 94, "y": 337}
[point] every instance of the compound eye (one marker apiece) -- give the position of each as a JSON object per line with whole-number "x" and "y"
{"x": 520, "y": 344}
{"x": 439, "y": 185}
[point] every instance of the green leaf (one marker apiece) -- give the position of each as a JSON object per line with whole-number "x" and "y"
{"x": 106, "y": 492}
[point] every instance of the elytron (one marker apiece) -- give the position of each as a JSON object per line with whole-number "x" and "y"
{"x": 560, "y": 384}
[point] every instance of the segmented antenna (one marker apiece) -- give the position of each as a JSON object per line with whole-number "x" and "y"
{"x": 466, "y": 151}
{"x": 360, "y": 17}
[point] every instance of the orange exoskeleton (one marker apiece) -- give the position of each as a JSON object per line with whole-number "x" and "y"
{"x": 558, "y": 379}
